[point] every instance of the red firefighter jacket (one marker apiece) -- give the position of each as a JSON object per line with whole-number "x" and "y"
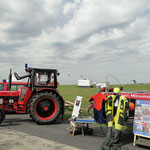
{"x": 99, "y": 106}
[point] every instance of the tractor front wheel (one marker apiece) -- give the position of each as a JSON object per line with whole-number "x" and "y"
{"x": 45, "y": 108}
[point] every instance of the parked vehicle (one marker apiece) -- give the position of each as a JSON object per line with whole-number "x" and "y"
{"x": 14, "y": 85}
{"x": 39, "y": 96}
{"x": 85, "y": 83}
{"x": 131, "y": 96}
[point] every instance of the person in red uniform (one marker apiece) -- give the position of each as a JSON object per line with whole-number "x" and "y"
{"x": 99, "y": 106}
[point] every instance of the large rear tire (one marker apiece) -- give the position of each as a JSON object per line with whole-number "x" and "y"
{"x": 45, "y": 108}
{"x": 2, "y": 115}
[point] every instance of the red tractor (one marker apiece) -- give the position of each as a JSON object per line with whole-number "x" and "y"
{"x": 39, "y": 98}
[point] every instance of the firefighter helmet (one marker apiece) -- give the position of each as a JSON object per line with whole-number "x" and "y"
{"x": 116, "y": 90}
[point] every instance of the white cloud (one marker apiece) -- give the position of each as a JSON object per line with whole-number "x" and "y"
{"x": 69, "y": 8}
{"x": 76, "y": 34}
{"x": 98, "y": 14}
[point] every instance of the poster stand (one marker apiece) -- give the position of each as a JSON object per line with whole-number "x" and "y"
{"x": 80, "y": 123}
{"x": 141, "y": 125}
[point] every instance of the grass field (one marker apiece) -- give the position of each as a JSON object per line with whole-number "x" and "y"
{"x": 69, "y": 93}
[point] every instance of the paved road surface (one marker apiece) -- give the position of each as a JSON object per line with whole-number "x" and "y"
{"x": 14, "y": 140}
{"x": 54, "y": 136}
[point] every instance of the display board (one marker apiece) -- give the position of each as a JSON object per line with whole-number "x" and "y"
{"x": 141, "y": 124}
{"x": 77, "y": 106}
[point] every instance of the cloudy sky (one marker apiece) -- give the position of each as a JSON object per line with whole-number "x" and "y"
{"x": 92, "y": 38}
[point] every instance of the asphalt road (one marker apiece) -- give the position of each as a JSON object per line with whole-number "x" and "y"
{"x": 60, "y": 133}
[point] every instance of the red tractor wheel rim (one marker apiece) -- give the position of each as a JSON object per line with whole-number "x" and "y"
{"x": 45, "y": 108}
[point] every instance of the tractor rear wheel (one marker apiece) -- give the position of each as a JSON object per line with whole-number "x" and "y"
{"x": 2, "y": 115}
{"x": 45, "y": 107}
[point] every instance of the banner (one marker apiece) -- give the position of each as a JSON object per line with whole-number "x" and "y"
{"x": 142, "y": 118}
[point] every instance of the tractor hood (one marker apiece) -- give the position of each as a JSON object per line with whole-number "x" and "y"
{"x": 9, "y": 94}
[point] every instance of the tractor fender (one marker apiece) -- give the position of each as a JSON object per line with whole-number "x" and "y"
{"x": 53, "y": 91}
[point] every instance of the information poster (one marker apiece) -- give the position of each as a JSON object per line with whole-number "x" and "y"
{"x": 142, "y": 118}
{"x": 77, "y": 106}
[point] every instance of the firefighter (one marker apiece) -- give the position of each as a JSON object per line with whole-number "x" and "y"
{"x": 117, "y": 109}
{"x": 99, "y": 106}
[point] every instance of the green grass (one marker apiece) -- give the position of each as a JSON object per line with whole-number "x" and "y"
{"x": 69, "y": 93}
